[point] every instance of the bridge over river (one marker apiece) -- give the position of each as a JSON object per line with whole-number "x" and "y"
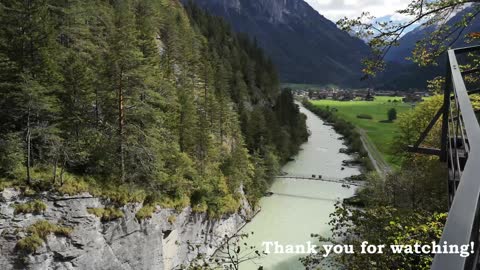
{"x": 314, "y": 177}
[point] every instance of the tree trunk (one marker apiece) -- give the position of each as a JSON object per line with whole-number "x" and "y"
{"x": 55, "y": 170}
{"x": 97, "y": 114}
{"x": 121, "y": 124}
{"x": 29, "y": 179}
{"x": 62, "y": 170}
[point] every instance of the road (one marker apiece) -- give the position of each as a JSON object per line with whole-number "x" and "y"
{"x": 379, "y": 163}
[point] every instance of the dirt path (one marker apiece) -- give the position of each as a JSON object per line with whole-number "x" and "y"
{"x": 379, "y": 163}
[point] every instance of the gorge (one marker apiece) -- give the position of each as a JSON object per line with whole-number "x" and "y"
{"x": 296, "y": 209}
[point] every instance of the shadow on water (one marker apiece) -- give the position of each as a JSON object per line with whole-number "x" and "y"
{"x": 304, "y": 197}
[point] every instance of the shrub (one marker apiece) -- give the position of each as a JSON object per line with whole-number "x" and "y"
{"x": 73, "y": 187}
{"x": 200, "y": 207}
{"x": 43, "y": 228}
{"x": 106, "y": 214}
{"x": 38, "y": 232}
{"x": 175, "y": 203}
{"x": 124, "y": 194}
{"x": 145, "y": 212}
{"x": 392, "y": 114}
{"x": 35, "y": 207}
{"x": 364, "y": 116}
{"x": 29, "y": 244}
{"x": 171, "y": 219}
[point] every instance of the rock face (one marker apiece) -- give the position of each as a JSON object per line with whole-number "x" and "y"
{"x": 126, "y": 243}
{"x": 305, "y": 46}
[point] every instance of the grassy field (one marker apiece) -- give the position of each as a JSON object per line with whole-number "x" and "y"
{"x": 380, "y": 133}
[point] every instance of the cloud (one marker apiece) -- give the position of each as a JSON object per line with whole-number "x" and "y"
{"x": 337, "y": 9}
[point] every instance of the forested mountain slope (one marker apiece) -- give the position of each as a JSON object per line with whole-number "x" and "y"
{"x": 139, "y": 97}
{"x": 305, "y": 46}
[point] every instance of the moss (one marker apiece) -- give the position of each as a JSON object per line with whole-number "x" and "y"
{"x": 106, "y": 214}
{"x": 35, "y": 207}
{"x": 171, "y": 219}
{"x": 38, "y": 232}
{"x": 145, "y": 212}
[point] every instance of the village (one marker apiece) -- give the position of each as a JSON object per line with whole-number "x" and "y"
{"x": 359, "y": 94}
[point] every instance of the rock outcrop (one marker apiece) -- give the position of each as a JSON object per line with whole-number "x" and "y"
{"x": 161, "y": 242}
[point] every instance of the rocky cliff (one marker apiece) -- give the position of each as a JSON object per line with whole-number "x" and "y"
{"x": 161, "y": 242}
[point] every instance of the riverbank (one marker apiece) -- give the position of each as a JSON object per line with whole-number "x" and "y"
{"x": 298, "y": 208}
{"x": 352, "y": 137}
{"x": 371, "y": 118}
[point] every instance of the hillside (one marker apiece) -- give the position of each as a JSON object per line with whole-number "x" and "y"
{"x": 304, "y": 45}
{"x": 137, "y": 101}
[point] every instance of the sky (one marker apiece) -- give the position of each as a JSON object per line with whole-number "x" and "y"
{"x": 337, "y": 9}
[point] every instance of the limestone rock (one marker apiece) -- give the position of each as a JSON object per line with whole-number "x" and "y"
{"x": 122, "y": 244}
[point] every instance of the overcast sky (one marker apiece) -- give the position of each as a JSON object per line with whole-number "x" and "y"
{"x": 337, "y": 9}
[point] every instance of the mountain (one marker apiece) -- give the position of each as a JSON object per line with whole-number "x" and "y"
{"x": 402, "y": 73}
{"x": 305, "y": 46}
{"x": 407, "y": 42}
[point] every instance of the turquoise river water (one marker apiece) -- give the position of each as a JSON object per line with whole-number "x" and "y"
{"x": 299, "y": 208}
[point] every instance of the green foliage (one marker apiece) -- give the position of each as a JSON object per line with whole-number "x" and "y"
{"x": 145, "y": 212}
{"x": 380, "y": 132}
{"x": 392, "y": 114}
{"x": 383, "y": 35}
{"x": 29, "y": 244}
{"x": 382, "y": 226}
{"x": 35, "y": 207}
{"x": 11, "y": 157}
{"x": 412, "y": 123}
{"x": 73, "y": 187}
{"x": 38, "y": 232}
{"x": 171, "y": 219}
{"x": 146, "y": 98}
{"x": 43, "y": 228}
{"x": 123, "y": 194}
{"x": 106, "y": 214}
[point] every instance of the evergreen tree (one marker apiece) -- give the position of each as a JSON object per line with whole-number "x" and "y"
{"x": 139, "y": 95}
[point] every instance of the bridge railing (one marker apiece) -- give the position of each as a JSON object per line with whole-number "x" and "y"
{"x": 461, "y": 151}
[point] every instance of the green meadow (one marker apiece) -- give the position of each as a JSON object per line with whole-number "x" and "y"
{"x": 379, "y": 130}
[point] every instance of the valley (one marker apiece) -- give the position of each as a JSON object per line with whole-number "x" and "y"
{"x": 190, "y": 134}
{"x": 378, "y": 128}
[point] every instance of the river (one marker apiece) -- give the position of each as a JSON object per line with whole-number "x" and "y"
{"x": 299, "y": 208}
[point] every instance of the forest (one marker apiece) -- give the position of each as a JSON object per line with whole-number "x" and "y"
{"x": 139, "y": 100}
